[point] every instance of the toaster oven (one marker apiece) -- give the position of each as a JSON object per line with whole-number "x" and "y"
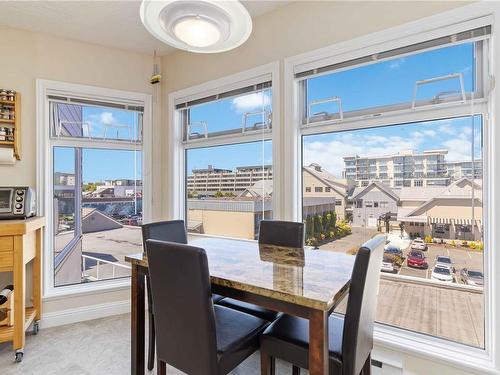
{"x": 17, "y": 202}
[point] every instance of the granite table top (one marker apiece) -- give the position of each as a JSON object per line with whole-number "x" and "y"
{"x": 311, "y": 278}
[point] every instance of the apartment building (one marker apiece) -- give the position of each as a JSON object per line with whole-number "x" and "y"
{"x": 459, "y": 169}
{"x": 404, "y": 169}
{"x": 208, "y": 181}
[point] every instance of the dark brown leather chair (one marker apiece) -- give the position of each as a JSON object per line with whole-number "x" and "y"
{"x": 350, "y": 336}
{"x": 277, "y": 233}
{"x": 193, "y": 334}
{"x": 172, "y": 231}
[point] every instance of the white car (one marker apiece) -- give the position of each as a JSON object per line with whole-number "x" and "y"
{"x": 444, "y": 261}
{"x": 442, "y": 273}
{"x": 418, "y": 244}
{"x": 388, "y": 265}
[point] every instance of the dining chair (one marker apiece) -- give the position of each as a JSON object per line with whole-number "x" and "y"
{"x": 172, "y": 231}
{"x": 350, "y": 336}
{"x": 276, "y": 233}
{"x": 193, "y": 334}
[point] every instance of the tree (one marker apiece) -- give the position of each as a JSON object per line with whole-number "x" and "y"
{"x": 218, "y": 194}
{"x": 90, "y": 187}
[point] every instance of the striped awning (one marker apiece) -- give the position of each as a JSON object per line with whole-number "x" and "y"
{"x": 456, "y": 221}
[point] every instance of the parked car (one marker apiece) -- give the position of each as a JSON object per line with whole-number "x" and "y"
{"x": 416, "y": 259}
{"x": 389, "y": 265}
{"x": 419, "y": 244}
{"x": 445, "y": 261}
{"x": 393, "y": 249}
{"x": 442, "y": 273}
{"x": 471, "y": 277}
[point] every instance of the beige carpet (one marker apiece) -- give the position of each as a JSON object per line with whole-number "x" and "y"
{"x": 97, "y": 347}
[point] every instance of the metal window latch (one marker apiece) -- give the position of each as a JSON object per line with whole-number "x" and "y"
{"x": 437, "y": 98}
{"x": 265, "y": 123}
{"x": 333, "y": 99}
{"x": 204, "y": 128}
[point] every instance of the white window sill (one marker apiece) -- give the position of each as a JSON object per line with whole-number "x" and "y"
{"x": 97, "y": 287}
{"x": 439, "y": 350}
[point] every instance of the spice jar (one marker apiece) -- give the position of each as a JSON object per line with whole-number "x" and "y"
{"x": 3, "y": 133}
{"x": 11, "y": 95}
{"x": 3, "y": 94}
{"x": 5, "y": 113}
{"x": 10, "y": 134}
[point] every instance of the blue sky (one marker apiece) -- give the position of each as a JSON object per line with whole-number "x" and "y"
{"x": 382, "y": 83}
{"x": 100, "y": 164}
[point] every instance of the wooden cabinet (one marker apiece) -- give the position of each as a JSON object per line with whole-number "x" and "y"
{"x": 12, "y": 123}
{"x": 20, "y": 244}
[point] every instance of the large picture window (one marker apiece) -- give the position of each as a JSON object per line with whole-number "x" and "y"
{"x": 97, "y": 188}
{"x": 227, "y": 156}
{"x": 415, "y": 173}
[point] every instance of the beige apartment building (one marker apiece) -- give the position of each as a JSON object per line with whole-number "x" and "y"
{"x": 404, "y": 169}
{"x": 211, "y": 180}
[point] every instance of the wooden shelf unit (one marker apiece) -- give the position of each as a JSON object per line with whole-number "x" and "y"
{"x": 20, "y": 244}
{"x": 14, "y": 123}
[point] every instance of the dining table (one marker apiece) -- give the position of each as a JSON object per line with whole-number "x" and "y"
{"x": 304, "y": 282}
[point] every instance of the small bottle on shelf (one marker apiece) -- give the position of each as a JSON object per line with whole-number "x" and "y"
{"x": 5, "y": 293}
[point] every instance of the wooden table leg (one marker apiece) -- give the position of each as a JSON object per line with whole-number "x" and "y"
{"x": 318, "y": 343}
{"x": 137, "y": 321}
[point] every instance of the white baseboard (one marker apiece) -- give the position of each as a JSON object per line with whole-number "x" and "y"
{"x": 80, "y": 314}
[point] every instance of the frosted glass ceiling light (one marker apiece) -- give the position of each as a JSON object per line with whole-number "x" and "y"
{"x": 204, "y": 26}
{"x": 197, "y": 31}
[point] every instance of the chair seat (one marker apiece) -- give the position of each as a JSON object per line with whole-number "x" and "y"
{"x": 216, "y": 298}
{"x": 237, "y": 336}
{"x": 249, "y": 308}
{"x": 288, "y": 338}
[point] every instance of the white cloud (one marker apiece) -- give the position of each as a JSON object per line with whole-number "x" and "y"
{"x": 424, "y": 133}
{"x": 458, "y": 149}
{"x": 107, "y": 118}
{"x": 396, "y": 64}
{"x": 251, "y": 102}
{"x": 330, "y": 154}
{"x": 447, "y": 129}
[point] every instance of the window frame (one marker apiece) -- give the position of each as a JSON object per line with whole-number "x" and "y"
{"x": 446, "y": 23}
{"x": 45, "y": 146}
{"x": 176, "y": 175}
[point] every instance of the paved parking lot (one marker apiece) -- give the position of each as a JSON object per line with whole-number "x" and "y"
{"x": 461, "y": 257}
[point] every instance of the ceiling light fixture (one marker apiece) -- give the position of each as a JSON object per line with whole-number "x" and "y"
{"x": 204, "y": 26}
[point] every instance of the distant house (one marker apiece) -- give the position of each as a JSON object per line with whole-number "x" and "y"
{"x": 371, "y": 202}
{"x": 324, "y": 188}
{"x": 451, "y": 212}
{"x": 95, "y": 221}
{"x": 455, "y": 212}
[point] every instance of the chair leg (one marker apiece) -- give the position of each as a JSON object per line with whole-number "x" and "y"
{"x": 367, "y": 366}
{"x": 161, "y": 368}
{"x": 151, "y": 344}
{"x": 267, "y": 364}
{"x": 295, "y": 370}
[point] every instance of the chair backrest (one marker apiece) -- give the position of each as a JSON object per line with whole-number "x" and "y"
{"x": 357, "y": 340}
{"x": 184, "y": 313}
{"x": 171, "y": 231}
{"x": 281, "y": 233}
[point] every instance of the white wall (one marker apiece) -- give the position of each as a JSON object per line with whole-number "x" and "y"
{"x": 27, "y": 56}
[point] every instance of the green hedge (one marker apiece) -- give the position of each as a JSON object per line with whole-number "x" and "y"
{"x": 325, "y": 227}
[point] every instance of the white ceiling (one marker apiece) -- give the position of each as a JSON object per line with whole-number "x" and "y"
{"x": 109, "y": 23}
